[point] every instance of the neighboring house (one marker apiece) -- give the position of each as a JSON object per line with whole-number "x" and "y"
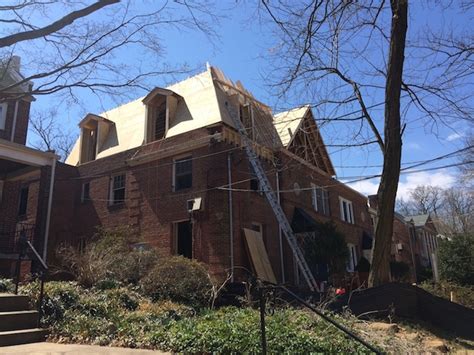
{"x": 426, "y": 239}
{"x": 25, "y": 173}
{"x": 170, "y": 167}
{"x": 403, "y": 247}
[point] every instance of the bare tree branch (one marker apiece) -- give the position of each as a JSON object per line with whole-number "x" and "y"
{"x": 55, "y": 26}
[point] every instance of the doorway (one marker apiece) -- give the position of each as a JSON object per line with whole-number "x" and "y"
{"x": 184, "y": 239}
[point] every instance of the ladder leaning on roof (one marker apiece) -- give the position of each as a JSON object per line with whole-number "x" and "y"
{"x": 273, "y": 201}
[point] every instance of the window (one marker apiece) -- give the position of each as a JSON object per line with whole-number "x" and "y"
{"x": 160, "y": 121}
{"x": 254, "y": 185}
{"x": 23, "y": 206}
{"x": 85, "y": 196}
{"x": 352, "y": 262}
{"x": 320, "y": 199}
{"x": 117, "y": 189}
{"x": 347, "y": 212}
{"x": 183, "y": 173}
{"x": 2, "y": 183}
{"x": 3, "y": 115}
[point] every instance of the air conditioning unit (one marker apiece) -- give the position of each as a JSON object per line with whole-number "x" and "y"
{"x": 194, "y": 204}
{"x": 399, "y": 246}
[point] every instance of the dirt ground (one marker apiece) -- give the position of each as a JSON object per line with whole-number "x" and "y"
{"x": 405, "y": 337}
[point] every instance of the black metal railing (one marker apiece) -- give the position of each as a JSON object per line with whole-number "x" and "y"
{"x": 10, "y": 236}
{"x": 264, "y": 288}
{"x": 24, "y": 245}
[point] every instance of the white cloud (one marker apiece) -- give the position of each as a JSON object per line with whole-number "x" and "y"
{"x": 408, "y": 182}
{"x": 366, "y": 187}
{"x": 413, "y": 145}
{"x": 453, "y": 137}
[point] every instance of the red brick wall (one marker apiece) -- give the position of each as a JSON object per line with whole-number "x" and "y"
{"x": 151, "y": 206}
{"x": 401, "y": 235}
{"x": 22, "y": 121}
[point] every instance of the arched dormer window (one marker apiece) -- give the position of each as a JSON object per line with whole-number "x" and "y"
{"x": 160, "y": 111}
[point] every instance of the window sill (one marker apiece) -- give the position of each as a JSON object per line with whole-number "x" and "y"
{"x": 116, "y": 206}
{"x": 184, "y": 189}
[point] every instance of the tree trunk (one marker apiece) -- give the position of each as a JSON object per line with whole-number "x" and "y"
{"x": 387, "y": 192}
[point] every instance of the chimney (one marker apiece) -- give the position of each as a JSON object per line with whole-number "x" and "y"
{"x": 15, "y": 63}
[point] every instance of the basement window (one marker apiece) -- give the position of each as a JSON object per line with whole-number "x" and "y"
{"x": 347, "y": 212}
{"x": 183, "y": 173}
{"x": 117, "y": 189}
{"x": 23, "y": 205}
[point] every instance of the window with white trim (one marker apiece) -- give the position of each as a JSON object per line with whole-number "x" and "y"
{"x": 347, "y": 211}
{"x": 182, "y": 173}
{"x": 320, "y": 199}
{"x": 352, "y": 261}
{"x": 117, "y": 189}
{"x": 3, "y": 115}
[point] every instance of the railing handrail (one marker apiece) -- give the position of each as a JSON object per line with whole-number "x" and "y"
{"x": 43, "y": 264}
{"x": 269, "y": 285}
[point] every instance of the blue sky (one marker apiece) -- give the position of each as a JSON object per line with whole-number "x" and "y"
{"x": 241, "y": 51}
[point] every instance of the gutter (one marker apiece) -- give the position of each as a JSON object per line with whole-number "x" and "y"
{"x": 48, "y": 213}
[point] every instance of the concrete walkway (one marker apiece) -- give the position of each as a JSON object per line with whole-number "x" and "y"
{"x": 70, "y": 349}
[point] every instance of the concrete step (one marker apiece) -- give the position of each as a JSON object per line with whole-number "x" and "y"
{"x": 25, "y": 336}
{"x": 18, "y": 320}
{"x": 10, "y": 302}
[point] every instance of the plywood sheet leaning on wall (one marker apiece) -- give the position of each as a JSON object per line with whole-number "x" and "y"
{"x": 259, "y": 256}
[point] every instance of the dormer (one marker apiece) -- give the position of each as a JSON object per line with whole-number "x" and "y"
{"x": 161, "y": 107}
{"x": 94, "y": 132}
{"x": 15, "y": 100}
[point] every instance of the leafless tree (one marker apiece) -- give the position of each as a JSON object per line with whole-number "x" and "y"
{"x": 350, "y": 63}
{"x": 467, "y": 164}
{"x": 69, "y": 46}
{"x": 452, "y": 209}
{"x": 50, "y": 135}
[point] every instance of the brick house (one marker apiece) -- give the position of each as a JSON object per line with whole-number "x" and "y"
{"x": 426, "y": 239}
{"x": 171, "y": 168}
{"x": 25, "y": 173}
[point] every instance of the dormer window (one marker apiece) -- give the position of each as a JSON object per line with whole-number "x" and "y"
{"x": 159, "y": 121}
{"x": 161, "y": 107}
{"x": 94, "y": 132}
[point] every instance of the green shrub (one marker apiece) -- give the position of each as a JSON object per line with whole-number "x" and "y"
{"x": 456, "y": 259}
{"x": 132, "y": 266}
{"x": 7, "y": 285}
{"x": 121, "y": 317}
{"x": 326, "y": 245}
{"x": 180, "y": 280}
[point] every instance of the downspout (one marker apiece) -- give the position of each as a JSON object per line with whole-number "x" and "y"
{"x": 231, "y": 215}
{"x": 280, "y": 236}
{"x": 48, "y": 213}
{"x": 15, "y": 114}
